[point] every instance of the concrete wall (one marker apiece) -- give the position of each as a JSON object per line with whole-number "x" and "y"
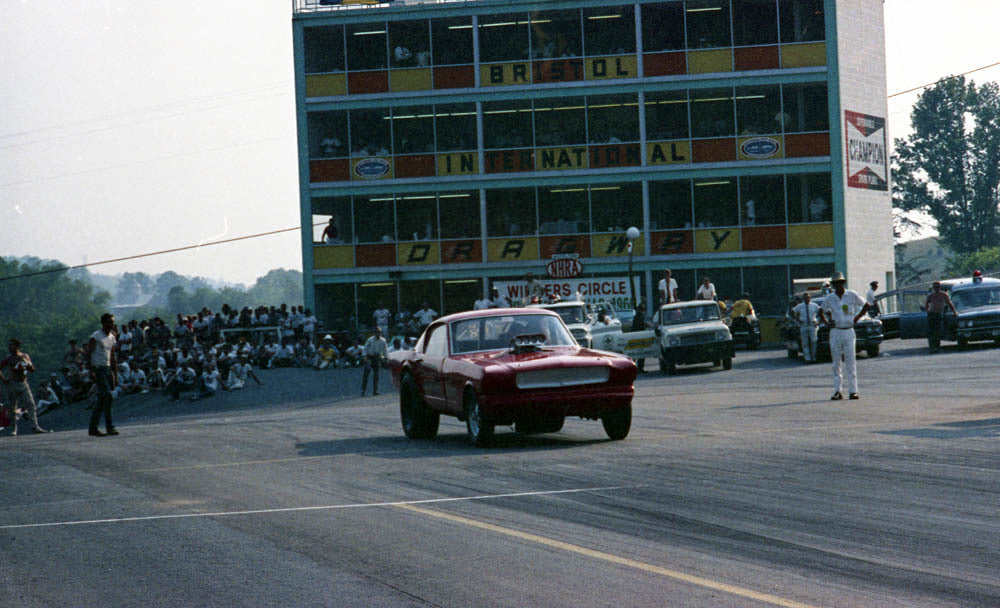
{"x": 866, "y": 224}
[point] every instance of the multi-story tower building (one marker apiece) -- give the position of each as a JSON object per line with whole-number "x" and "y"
{"x": 451, "y": 146}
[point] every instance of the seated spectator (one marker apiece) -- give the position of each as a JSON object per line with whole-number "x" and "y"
{"x": 47, "y": 398}
{"x": 354, "y": 354}
{"x": 57, "y": 387}
{"x": 304, "y": 353}
{"x": 396, "y": 344}
{"x": 209, "y": 383}
{"x": 284, "y": 357}
{"x": 327, "y": 355}
{"x": 182, "y": 379}
{"x": 124, "y": 373}
{"x": 74, "y": 357}
{"x": 239, "y": 373}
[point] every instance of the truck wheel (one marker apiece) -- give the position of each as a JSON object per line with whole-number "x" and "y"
{"x": 419, "y": 421}
{"x": 717, "y": 363}
{"x": 727, "y": 363}
{"x": 963, "y": 343}
{"x": 479, "y": 430}
{"x": 617, "y": 422}
{"x": 793, "y": 354}
{"x": 872, "y": 351}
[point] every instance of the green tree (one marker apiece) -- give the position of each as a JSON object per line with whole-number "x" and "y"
{"x": 131, "y": 285}
{"x": 985, "y": 260}
{"x": 950, "y": 166}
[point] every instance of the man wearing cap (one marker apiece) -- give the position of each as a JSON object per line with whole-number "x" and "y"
{"x": 841, "y": 310}
{"x": 936, "y": 302}
{"x": 326, "y": 354}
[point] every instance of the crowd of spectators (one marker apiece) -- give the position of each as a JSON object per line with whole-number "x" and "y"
{"x": 203, "y": 353}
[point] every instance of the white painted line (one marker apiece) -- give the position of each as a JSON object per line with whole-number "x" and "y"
{"x": 315, "y": 508}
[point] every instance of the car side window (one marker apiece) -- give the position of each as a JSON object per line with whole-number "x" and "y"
{"x": 437, "y": 342}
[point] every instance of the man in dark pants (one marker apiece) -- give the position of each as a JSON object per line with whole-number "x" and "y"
{"x": 103, "y": 368}
{"x": 935, "y": 305}
{"x": 376, "y": 351}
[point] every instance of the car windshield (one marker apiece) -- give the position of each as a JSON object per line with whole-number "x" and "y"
{"x": 970, "y": 298}
{"x": 571, "y": 314}
{"x": 496, "y": 332}
{"x": 689, "y": 314}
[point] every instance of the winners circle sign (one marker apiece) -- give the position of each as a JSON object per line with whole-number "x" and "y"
{"x": 564, "y": 267}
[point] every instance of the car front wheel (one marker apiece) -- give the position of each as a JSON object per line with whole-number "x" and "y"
{"x": 419, "y": 421}
{"x": 618, "y": 422}
{"x": 727, "y": 363}
{"x": 480, "y": 431}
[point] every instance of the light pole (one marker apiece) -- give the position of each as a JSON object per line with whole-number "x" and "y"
{"x": 631, "y": 234}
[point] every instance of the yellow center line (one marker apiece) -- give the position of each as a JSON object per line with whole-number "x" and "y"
{"x": 608, "y": 557}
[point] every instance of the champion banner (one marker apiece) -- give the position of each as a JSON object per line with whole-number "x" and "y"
{"x": 867, "y": 161}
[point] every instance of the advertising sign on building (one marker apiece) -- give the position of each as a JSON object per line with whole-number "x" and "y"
{"x": 593, "y": 291}
{"x": 867, "y": 161}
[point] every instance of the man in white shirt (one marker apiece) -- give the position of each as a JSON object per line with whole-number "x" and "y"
{"x": 497, "y": 300}
{"x": 425, "y": 316}
{"x": 239, "y": 373}
{"x": 103, "y": 367}
{"x": 806, "y": 312}
{"x": 706, "y": 291}
{"x": 382, "y": 317}
{"x": 870, "y": 299}
{"x": 841, "y": 310}
{"x": 210, "y": 383}
{"x": 376, "y": 352}
{"x": 667, "y": 288}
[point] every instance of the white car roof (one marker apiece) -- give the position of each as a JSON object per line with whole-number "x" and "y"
{"x": 689, "y": 304}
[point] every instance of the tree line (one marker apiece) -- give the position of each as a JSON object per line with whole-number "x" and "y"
{"x": 45, "y": 311}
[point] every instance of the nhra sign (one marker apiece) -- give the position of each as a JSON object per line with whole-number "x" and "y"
{"x": 564, "y": 267}
{"x": 594, "y": 291}
{"x": 867, "y": 165}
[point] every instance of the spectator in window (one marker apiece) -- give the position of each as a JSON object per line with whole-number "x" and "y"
{"x": 817, "y": 209}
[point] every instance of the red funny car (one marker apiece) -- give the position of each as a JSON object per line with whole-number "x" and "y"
{"x": 508, "y": 366}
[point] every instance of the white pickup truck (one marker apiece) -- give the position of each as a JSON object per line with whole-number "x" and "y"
{"x": 583, "y": 324}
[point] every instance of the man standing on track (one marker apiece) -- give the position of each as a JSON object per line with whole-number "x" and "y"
{"x": 103, "y": 368}
{"x": 806, "y": 313}
{"x": 841, "y": 310}
{"x": 14, "y": 372}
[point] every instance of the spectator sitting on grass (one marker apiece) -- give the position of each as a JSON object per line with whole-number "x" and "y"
{"x": 285, "y": 357}
{"x": 304, "y": 353}
{"x": 239, "y": 373}
{"x": 47, "y": 398}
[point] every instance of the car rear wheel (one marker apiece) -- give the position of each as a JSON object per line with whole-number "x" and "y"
{"x": 618, "y": 422}
{"x": 727, "y": 363}
{"x": 479, "y": 430}
{"x": 419, "y": 421}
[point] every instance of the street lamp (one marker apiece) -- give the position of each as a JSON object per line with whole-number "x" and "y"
{"x": 631, "y": 234}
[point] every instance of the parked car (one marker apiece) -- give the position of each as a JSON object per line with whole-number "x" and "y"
{"x": 977, "y": 301}
{"x": 584, "y": 323}
{"x": 693, "y": 332}
{"x": 867, "y": 332}
{"x": 516, "y": 366}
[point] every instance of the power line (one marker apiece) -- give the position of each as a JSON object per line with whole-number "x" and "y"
{"x": 141, "y": 162}
{"x": 153, "y": 253}
{"x": 930, "y": 84}
{"x": 151, "y": 109}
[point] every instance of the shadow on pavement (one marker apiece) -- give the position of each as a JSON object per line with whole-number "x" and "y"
{"x": 988, "y": 427}
{"x": 444, "y": 445}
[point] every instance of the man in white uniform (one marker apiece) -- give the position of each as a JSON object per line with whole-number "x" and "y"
{"x": 806, "y": 313}
{"x": 841, "y": 310}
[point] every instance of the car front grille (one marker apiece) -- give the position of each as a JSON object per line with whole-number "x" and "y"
{"x": 580, "y": 335}
{"x": 705, "y": 337}
{"x": 566, "y": 376}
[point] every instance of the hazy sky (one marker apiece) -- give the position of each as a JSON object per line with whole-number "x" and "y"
{"x": 132, "y": 127}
